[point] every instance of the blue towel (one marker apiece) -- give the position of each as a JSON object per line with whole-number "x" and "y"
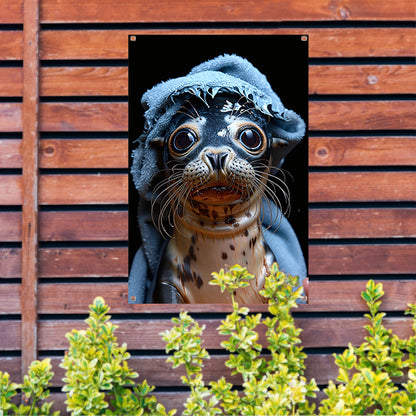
{"x": 223, "y": 74}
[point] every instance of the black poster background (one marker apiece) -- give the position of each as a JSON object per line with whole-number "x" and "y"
{"x": 282, "y": 58}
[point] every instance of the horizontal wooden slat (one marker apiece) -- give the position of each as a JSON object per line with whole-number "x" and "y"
{"x": 11, "y": 11}
{"x": 145, "y": 334}
{"x": 83, "y": 117}
{"x": 323, "y": 79}
{"x": 10, "y": 299}
{"x": 362, "y": 259}
{"x": 232, "y": 10}
{"x": 69, "y": 153}
{"x": 83, "y": 153}
{"x": 362, "y": 186}
{"x": 112, "y": 188}
{"x": 69, "y": 189}
{"x": 362, "y": 151}
{"x": 361, "y": 115}
{"x": 323, "y": 260}
{"x": 362, "y": 79}
{"x": 69, "y": 262}
{"x": 10, "y": 153}
{"x": 324, "y": 115}
{"x": 85, "y": 81}
{"x": 11, "y": 82}
{"x": 344, "y": 42}
{"x": 159, "y": 373}
{"x": 11, "y": 117}
{"x": 324, "y": 296}
{"x": 11, "y": 45}
{"x": 11, "y": 342}
{"x": 112, "y": 153}
{"x": 362, "y": 223}
{"x": 59, "y": 226}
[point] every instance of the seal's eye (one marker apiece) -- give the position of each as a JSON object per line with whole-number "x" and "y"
{"x": 183, "y": 140}
{"x": 251, "y": 139}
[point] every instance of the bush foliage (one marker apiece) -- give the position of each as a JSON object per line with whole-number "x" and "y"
{"x": 98, "y": 380}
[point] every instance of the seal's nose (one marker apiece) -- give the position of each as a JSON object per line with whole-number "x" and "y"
{"x": 217, "y": 160}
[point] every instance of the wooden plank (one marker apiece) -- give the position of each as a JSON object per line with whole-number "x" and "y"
{"x": 145, "y": 334}
{"x": 10, "y": 226}
{"x": 83, "y": 189}
{"x": 362, "y": 223}
{"x": 69, "y": 153}
{"x": 362, "y": 151}
{"x": 361, "y": 115}
{"x": 85, "y": 81}
{"x": 11, "y": 82}
{"x": 91, "y": 226}
{"x": 30, "y": 182}
{"x": 11, "y": 117}
{"x": 69, "y": 189}
{"x": 112, "y": 262}
{"x": 362, "y": 186}
{"x": 11, "y": 11}
{"x": 323, "y": 79}
{"x": 324, "y": 296}
{"x": 362, "y": 259}
{"x": 59, "y": 226}
{"x": 323, "y": 43}
{"x": 10, "y": 299}
{"x": 10, "y": 154}
{"x": 11, "y": 45}
{"x": 362, "y": 79}
{"x": 83, "y": 117}
{"x": 324, "y": 115}
{"x": 112, "y": 188}
{"x": 83, "y": 262}
{"x": 214, "y": 10}
{"x": 13, "y": 341}
{"x": 84, "y": 153}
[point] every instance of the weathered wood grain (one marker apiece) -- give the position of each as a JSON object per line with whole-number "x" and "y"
{"x": 11, "y": 190}
{"x": 84, "y": 153}
{"x": 145, "y": 334}
{"x": 11, "y": 117}
{"x": 10, "y": 300}
{"x": 11, "y": 11}
{"x": 324, "y": 296}
{"x": 323, "y": 43}
{"x": 113, "y": 153}
{"x": 323, "y": 79}
{"x": 362, "y": 79}
{"x": 362, "y": 186}
{"x": 11, "y": 45}
{"x": 11, "y": 327}
{"x": 83, "y": 116}
{"x": 11, "y": 82}
{"x": 362, "y": 115}
{"x": 362, "y": 259}
{"x": 362, "y": 223}
{"x": 324, "y": 115}
{"x": 10, "y": 154}
{"x": 59, "y": 226}
{"x": 232, "y": 10}
{"x": 362, "y": 151}
{"x": 85, "y": 81}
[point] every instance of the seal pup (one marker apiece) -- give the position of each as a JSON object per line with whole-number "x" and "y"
{"x": 195, "y": 152}
{"x": 218, "y": 160}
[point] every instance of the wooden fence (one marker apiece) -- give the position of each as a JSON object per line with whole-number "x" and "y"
{"x": 63, "y": 160}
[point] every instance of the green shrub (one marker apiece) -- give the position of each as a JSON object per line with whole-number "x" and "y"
{"x": 98, "y": 380}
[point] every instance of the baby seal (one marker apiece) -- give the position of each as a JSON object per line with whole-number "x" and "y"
{"x": 217, "y": 155}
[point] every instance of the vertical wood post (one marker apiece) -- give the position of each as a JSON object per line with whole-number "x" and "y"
{"x": 30, "y": 181}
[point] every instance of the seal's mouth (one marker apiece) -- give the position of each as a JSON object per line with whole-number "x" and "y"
{"x": 220, "y": 194}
